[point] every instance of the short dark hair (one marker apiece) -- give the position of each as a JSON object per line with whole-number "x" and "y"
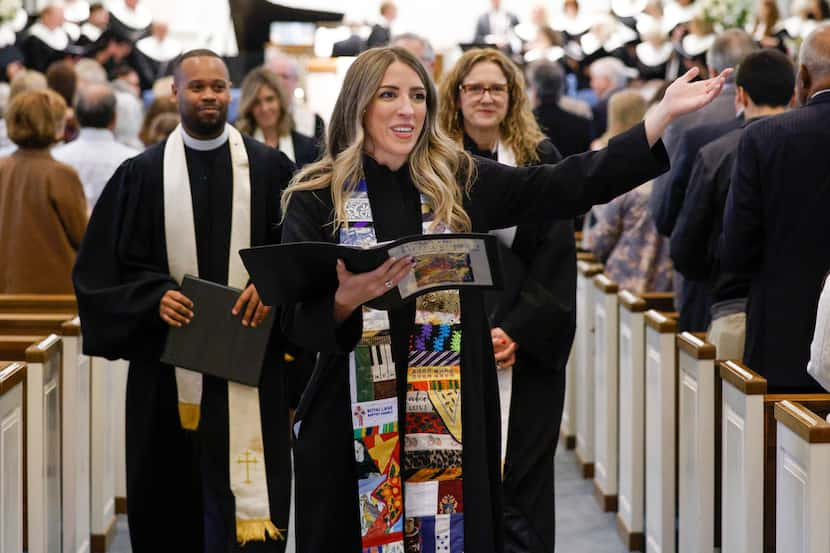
{"x": 548, "y": 80}
{"x": 195, "y": 53}
{"x": 95, "y": 6}
{"x": 768, "y": 77}
{"x": 95, "y": 110}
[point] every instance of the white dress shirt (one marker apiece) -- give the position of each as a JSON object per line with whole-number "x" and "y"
{"x": 819, "y": 364}
{"x": 95, "y": 155}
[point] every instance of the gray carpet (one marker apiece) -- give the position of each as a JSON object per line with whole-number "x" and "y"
{"x": 580, "y": 526}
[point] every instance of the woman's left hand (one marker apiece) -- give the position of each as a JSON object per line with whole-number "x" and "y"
{"x": 683, "y": 96}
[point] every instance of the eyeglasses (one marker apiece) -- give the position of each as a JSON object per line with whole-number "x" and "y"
{"x": 477, "y": 90}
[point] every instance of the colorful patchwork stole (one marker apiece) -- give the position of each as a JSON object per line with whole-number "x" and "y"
{"x": 425, "y": 475}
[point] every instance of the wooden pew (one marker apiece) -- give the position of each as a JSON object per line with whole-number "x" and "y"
{"x": 632, "y": 386}
{"x": 698, "y": 444}
{"x": 606, "y": 374}
{"x": 802, "y": 479}
{"x": 660, "y": 432}
{"x": 569, "y": 413}
{"x": 12, "y": 455}
{"x": 585, "y": 366}
{"x": 38, "y": 303}
{"x": 43, "y": 445}
{"x": 748, "y": 465}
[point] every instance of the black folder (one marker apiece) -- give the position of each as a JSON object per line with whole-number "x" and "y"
{"x": 299, "y": 271}
{"x": 215, "y": 342}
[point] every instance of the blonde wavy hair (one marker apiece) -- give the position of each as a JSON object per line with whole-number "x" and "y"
{"x": 519, "y": 129}
{"x": 441, "y": 170}
{"x": 251, "y": 85}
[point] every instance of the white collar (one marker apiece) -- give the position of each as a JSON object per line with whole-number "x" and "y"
{"x": 56, "y": 39}
{"x": 76, "y": 12}
{"x": 92, "y": 133}
{"x": 820, "y": 92}
{"x": 159, "y": 51}
{"x": 139, "y": 18}
{"x": 653, "y": 56}
{"x": 205, "y": 145}
{"x": 91, "y": 31}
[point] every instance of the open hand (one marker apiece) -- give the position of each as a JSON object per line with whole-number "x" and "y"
{"x": 175, "y": 308}
{"x": 355, "y": 289}
{"x": 251, "y": 307}
{"x": 683, "y": 96}
{"x": 504, "y": 348}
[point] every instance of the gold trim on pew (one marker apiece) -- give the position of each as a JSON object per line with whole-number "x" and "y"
{"x": 743, "y": 378}
{"x": 806, "y": 424}
{"x": 588, "y": 269}
{"x": 663, "y": 322}
{"x": 11, "y": 374}
{"x": 695, "y": 346}
{"x": 605, "y": 284}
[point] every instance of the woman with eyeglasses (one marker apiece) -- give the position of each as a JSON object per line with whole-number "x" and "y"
{"x": 485, "y": 109}
{"x": 394, "y": 380}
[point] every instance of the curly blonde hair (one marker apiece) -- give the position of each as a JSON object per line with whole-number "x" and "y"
{"x": 439, "y": 168}
{"x": 519, "y": 129}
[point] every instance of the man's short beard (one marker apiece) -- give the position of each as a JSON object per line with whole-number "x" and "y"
{"x": 205, "y": 128}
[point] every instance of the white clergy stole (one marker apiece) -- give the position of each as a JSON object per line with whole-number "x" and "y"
{"x": 247, "y": 463}
{"x": 286, "y": 144}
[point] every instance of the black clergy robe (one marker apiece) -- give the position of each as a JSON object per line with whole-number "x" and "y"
{"x": 38, "y": 54}
{"x": 537, "y": 309}
{"x": 120, "y": 276}
{"x": 325, "y": 468}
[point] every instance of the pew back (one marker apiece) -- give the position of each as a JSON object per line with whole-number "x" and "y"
{"x": 660, "y": 431}
{"x": 12, "y": 456}
{"x": 585, "y": 366}
{"x": 698, "y": 403}
{"x": 605, "y": 399}
{"x": 38, "y": 303}
{"x": 631, "y": 515}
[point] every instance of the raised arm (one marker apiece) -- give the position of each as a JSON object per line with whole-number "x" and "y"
{"x": 506, "y": 196}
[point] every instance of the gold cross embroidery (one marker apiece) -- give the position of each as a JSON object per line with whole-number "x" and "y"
{"x": 247, "y": 462}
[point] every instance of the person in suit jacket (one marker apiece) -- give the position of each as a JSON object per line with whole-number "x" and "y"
{"x": 570, "y": 133}
{"x": 495, "y": 25}
{"x": 484, "y": 107}
{"x": 765, "y": 81}
{"x": 382, "y": 31}
{"x": 263, "y": 114}
{"x": 776, "y": 225}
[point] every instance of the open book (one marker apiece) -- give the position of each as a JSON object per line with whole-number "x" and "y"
{"x": 290, "y": 273}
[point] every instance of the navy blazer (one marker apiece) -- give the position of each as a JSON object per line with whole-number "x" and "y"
{"x": 777, "y": 228}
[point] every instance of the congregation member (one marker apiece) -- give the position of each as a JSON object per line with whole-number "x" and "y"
{"x": 305, "y": 121}
{"x": 61, "y": 77}
{"x": 130, "y": 18}
{"x": 46, "y": 41}
{"x": 819, "y": 364}
{"x": 484, "y": 108}
{"x": 775, "y": 224}
{"x": 43, "y": 211}
{"x": 389, "y": 172}
{"x": 684, "y": 140}
{"x": 764, "y": 84}
{"x": 95, "y": 154}
{"x": 570, "y": 133}
{"x": 166, "y": 213}
{"x": 623, "y": 236}
{"x": 160, "y": 105}
{"x": 496, "y": 26}
{"x": 608, "y": 75}
{"x": 263, "y": 114}
{"x": 381, "y": 32}
{"x": 420, "y": 48}
{"x": 128, "y": 108}
{"x": 155, "y": 52}
{"x": 95, "y": 25}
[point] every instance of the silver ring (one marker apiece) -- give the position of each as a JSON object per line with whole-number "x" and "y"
{"x": 388, "y": 284}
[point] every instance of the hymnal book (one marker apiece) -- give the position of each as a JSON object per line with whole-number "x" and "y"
{"x": 290, "y": 273}
{"x": 215, "y": 342}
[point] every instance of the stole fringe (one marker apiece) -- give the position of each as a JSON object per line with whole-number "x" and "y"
{"x": 256, "y": 530}
{"x": 189, "y": 414}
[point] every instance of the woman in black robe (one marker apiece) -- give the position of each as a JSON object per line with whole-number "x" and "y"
{"x": 383, "y": 131}
{"x": 534, "y": 318}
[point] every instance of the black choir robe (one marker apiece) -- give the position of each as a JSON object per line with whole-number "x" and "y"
{"x": 537, "y": 309}
{"x": 325, "y": 468}
{"x": 120, "y": 276}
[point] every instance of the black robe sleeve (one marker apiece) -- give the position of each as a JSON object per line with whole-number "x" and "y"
{"x": 506, "y": 196}
{"x": 121, "y": 270}
{"x": 310, "y": 324}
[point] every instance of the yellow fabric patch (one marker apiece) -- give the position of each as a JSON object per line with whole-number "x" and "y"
{"x": 257, "y": 530}
{"x": 189, "y": 414}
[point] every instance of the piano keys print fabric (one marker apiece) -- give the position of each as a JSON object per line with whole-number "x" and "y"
{"x": 425, "y": 475}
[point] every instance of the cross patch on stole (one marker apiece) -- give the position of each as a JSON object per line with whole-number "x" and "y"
{"x": 247, "y": 461}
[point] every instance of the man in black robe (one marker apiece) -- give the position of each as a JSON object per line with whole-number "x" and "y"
{"x": 178, "y": 483}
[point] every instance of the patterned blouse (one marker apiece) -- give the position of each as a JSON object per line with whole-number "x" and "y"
{"x": 625, "y": 239}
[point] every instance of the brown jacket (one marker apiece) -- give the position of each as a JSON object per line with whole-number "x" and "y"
{"x": 43, "y": 215}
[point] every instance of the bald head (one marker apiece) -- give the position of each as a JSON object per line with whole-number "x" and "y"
{"x": 814, "y": 63}
{"x": 95, "y": 106}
